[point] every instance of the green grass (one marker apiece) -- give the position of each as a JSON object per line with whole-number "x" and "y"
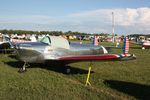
{"x": 109, "y": 79}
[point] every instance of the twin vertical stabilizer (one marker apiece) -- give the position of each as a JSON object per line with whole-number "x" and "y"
{"x": 126, "y": 46}
{"x": 95, "y": 41}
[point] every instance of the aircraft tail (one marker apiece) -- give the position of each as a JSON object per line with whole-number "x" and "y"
{"x": 126, "y": 46}
{"x": 95, "y": 41}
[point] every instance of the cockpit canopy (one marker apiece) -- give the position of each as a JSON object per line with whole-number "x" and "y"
{"x": 56, "y": 41}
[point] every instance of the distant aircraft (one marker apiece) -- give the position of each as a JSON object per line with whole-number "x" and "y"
{"x": 18, "y": 40}
{"x": 95, "y": 40}
{"x": 57, "y": 48}
{"x": 4, "y": 42}
{"x": 145, "y": 44}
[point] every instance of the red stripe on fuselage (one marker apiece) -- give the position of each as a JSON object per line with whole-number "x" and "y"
{"x": 91, "y": 57}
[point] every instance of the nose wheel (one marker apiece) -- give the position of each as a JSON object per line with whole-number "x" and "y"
{"x": 23, "y": 68}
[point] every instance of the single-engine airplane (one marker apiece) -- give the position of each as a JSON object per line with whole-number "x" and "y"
{"x": 57, "y": 48}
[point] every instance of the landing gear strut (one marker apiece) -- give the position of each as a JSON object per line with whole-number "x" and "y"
{"x": 23, "y": 68}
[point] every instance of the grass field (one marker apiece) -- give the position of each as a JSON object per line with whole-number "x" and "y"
{"x": 109, "y": 80}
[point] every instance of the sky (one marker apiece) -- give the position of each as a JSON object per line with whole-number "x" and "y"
{"x": 90, "y": 16}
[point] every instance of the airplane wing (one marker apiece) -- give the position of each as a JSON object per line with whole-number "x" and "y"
{"x": 98, "y": 57}
{"x": 91, "y": 57}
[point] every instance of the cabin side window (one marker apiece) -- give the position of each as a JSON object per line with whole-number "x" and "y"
{"x": 46, "y": 40}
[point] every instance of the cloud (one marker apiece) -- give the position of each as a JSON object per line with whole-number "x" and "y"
{"x": 144, "y": 16}
{"x": 127, "y": 20}
{"x": 123, "y": 16}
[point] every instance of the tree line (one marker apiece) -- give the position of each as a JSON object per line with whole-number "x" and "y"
{"x": 19, "y": 32}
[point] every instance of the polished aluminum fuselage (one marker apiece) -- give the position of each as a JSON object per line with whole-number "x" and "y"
{"x": 37, "y": 52}
{"x": 55, "y": 48}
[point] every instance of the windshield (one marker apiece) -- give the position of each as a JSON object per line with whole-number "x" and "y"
{"x": 46, "y": 40}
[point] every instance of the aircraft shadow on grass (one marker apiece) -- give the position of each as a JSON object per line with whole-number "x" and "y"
{"x": 139, "y": 91}
{"x": 49, "y": 66}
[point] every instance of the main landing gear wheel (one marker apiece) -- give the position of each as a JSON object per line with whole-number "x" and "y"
{"x": 143, "y": 48}
{"x": 67, "y": 69}
{"x": 21, "y": 70}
